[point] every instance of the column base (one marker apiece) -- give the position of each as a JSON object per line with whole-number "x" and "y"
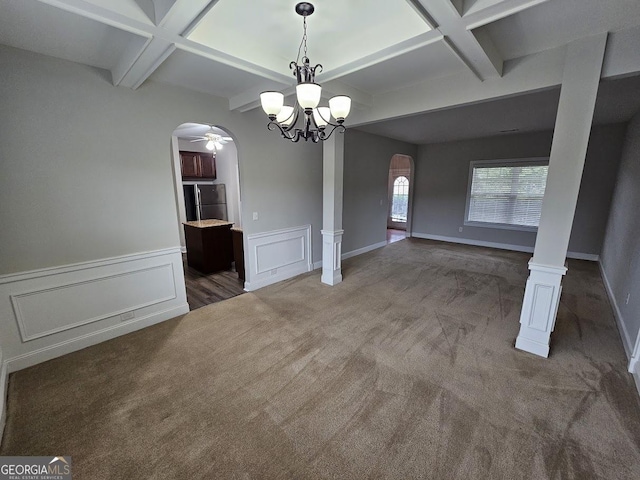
{"x": 540, "y": 308}
{"x": 331, "y": 257}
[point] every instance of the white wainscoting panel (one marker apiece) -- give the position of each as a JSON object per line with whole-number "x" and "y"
{"x": 278, "y": 255}
{"x": 50, "y": 312}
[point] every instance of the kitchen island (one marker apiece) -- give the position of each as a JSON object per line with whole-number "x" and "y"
{"x": 209, "y": 245}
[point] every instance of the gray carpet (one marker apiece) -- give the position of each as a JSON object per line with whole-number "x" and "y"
{"x": 405, "y": 370}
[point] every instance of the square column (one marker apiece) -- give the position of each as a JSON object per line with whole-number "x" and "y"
{"x": 581, "y": 77}
{"x": 331, "y": 257}
{"x": 332, "y": 198}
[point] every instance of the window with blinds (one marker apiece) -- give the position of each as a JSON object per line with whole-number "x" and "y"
{"x": 507, "y": 194}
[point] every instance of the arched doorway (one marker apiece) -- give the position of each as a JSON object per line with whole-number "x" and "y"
{"x": 400, "y": 191}
{"x": 208, "y": 169}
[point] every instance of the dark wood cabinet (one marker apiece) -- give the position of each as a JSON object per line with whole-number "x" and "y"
{"x": 196, "y": 165}
{"x": 209, "y": 245}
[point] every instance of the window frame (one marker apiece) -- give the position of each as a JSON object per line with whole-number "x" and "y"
{"x": 513, "y": 162}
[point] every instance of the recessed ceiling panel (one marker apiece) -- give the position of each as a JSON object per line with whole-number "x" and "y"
{"x": 434, "y": 60}
{"x": 41, "y": 28}
{"x": 203, "y": 75}
{"x": 558, "y": 22}
{"x": 268, "y": 32}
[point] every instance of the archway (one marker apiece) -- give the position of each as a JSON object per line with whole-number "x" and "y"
{"x": 208, "y": 170}
{"x": 400, "y": 191}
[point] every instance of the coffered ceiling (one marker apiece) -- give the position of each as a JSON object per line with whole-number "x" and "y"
{"x": 370, "y": 50}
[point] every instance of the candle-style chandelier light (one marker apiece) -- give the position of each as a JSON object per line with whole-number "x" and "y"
{"x": 316, "y": 121}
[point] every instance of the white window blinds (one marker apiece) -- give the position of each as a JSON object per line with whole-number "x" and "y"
{"x": 507, "y": 194}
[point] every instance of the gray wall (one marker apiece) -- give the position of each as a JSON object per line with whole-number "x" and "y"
{"x": 367, "y": 158}
{"x": 621, "y": 251}
{"x": 442, "y": 173}
{"x": 87, "y": 170}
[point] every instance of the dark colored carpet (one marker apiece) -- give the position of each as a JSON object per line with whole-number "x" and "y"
{"x": 405, "y": 370}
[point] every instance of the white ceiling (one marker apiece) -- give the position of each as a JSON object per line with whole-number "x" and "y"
{"x": 237, "y": 48}
{"x": 618, "y": 100}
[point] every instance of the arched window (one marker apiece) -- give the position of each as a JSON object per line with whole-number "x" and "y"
{"x": 400, "y": 199}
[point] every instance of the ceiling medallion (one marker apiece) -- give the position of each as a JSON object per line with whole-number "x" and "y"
{"x": 315, "y": 122}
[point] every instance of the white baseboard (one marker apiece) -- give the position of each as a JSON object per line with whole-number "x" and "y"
{"x": 503, "y": 246}
{"x": 360, "y": 251}
{"x": 54, "y": 311}
{"x": 277, "y": 255}
{"x": 354, "y": 253}
{"x": 636, "y": 375}
{"x": 624, "y": 333}
{"x": 4, "y": 383}
{"x": 78, "y": 343}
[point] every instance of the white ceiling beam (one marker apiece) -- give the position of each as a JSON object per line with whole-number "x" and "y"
{"x": 462, "y": 42}
{"x": 182, "y": 14}
{"x": 359, "y": 99}
{"x": 475, "y": 18}
{"x": 103, "y": 15}
{"x": 527, "y": 74}
{"x": 419, "y": 41}
{"x": 218, "y": 56}
{"x": 155, "y": 52}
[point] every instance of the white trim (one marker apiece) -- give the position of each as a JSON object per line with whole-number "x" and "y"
{"x": 4, "y": 383}
{"x": 43, "y": 272}
{"x": 539, "y": 267}
{"x": 285, "y": 267}
{"x": 78, "y": 343}
{"x": 15, "y": 301}
{"x": 632, "y": 350}
{"x": 503, "y": 246}
{"x": 360, "y": 251}
{"x": 272, "y": 233}
{"x": 41, "y": 322}
{"x": 624, "y": 333}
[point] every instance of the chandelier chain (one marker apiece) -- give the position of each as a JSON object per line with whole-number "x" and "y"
{"x": 303, "y": 41}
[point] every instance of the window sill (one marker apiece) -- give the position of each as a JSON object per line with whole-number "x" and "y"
{"x": 501, "y": 226}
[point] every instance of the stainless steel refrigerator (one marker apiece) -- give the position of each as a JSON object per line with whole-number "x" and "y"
{"x": 203, "y": 202}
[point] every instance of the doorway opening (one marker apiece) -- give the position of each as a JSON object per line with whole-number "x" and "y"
{"x": 207, "y": 192}
{"x": 400, "y": 191}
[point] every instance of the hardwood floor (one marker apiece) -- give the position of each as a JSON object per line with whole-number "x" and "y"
{"x": 205, "y": 289}
{"x": 395, "y": 235}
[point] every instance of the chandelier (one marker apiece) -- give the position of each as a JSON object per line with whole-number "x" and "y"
{"x": 315, "y": 121}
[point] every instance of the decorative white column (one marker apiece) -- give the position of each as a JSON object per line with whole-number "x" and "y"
{"x": 332, "y": 194}
{"x": 540, "y": 308}
{"x": 581, "y": 77}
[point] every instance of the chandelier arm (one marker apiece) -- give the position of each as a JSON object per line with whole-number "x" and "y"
{"x": 285, "y": 133}
{"x": 324, "y": 135}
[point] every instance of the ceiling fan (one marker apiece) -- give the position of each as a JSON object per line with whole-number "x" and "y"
{"x": 214, "y": 141}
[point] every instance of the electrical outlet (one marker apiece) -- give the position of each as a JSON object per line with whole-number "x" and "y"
{"x": 628, "y": 298}
{"x": 460, "y": 229}
{"x": 255, "y": 215}
{"x": 127, "y": 316}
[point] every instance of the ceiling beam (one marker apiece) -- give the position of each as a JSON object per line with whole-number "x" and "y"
{"x": 527, "y": 74}
{"x": 175, "y": 17}
{"x": 446, "y": 16}
{"x": 475, "y": 18}
{"x": 419, "y": 41}
{"x": 155, "y": 52}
